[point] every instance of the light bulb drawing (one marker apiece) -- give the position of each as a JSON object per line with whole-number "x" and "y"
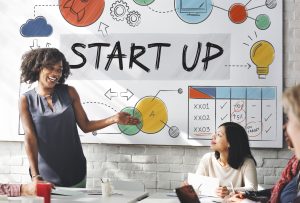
{"x": 262, "y": 54}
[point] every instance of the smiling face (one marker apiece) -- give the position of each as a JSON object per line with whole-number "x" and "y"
{"x": 219, "y": 140}
{"x": 50, "y": 75}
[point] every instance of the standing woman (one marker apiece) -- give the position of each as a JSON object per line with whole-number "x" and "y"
{"x": 50, "y": 114}
{"x": 231, "y": 161}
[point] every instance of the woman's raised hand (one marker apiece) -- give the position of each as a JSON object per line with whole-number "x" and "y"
{"x": 124, "y": 118}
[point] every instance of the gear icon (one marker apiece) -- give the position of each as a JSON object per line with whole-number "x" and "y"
{"x": 119, "y": 10}
{"x": 133, "y": 18}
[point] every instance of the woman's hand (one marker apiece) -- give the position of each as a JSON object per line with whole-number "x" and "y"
{"x": 38, "y": 179}
{"x": 237, "y": 198}
{"x": 124, "y": 118}
{"x": 222, "y": 191}
{"x": 184, "y": 183}
{"x": 28, "y": 189}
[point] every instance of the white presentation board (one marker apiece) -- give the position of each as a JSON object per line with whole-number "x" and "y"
{"x": 182, "y": 66}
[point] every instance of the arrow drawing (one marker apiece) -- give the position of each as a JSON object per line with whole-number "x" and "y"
{"x": 35, "y": 44}
{"x": 103, "y": 28}
{"x": 109, "y": 94}
{"x": 128, "y": 94}
{"x": 248, "y": 65}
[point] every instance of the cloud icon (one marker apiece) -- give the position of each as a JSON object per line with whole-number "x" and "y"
{"x": 37, "y": 27}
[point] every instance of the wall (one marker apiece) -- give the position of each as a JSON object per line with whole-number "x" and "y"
{"x": 164, "y": 167}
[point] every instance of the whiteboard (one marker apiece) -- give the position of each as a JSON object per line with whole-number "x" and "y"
{"x": 182, "y": 66}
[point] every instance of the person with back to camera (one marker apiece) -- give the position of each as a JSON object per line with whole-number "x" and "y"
{"x": 285, "y": 189}
{"x": 291, "y": 104}
{"x": 50, "y": 114}
{"x": 231, "y": 161}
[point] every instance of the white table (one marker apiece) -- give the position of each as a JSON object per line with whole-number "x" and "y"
{"x": 119, "y": 196}
{"x": 171, "y": 198}
{"x": 161, "y": 197}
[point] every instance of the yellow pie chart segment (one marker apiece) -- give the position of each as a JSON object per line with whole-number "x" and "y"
{"x": 154, "y": 114}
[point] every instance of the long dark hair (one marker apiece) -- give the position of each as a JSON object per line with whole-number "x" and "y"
{"x": 34, "y": 60}
{"x": 239, "y": 148}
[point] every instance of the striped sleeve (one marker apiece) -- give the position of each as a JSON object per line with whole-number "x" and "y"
{"x": 11, "y": 190}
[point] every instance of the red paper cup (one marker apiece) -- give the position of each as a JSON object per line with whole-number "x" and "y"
{"x": 44, "y": 190}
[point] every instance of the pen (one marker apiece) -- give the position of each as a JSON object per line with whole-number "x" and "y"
{"x": 232, "y": 187}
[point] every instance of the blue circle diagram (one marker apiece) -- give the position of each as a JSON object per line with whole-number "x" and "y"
{"x": 193, "y": 11}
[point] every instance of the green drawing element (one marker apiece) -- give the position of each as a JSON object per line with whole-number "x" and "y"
{"x": 262, "y": 22}
{"x": 143, "y": 2}
{"x": 131, "y": 129}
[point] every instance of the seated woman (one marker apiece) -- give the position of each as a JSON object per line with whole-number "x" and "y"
{"x": 286, "y": 188}
{"x": 15, "y": 190}
{"x": 231, "y": 161}
{"x": 291, "y": 104}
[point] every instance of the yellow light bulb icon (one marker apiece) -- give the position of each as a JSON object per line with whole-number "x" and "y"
{"x": 262, "y": 55}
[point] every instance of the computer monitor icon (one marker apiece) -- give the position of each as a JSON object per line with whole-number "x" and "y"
{"x": 193, "y": 7}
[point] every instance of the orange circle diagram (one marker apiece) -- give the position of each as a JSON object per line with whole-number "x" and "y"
{"x": 81, "y": 12}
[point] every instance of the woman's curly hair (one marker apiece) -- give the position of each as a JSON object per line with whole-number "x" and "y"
{"x": 34, "y": 60}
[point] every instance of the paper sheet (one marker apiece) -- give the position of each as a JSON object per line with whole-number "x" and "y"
{"x": 203, "y": 185}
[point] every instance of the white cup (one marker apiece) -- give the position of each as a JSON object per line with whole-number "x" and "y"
{"x": 106, "y": 189}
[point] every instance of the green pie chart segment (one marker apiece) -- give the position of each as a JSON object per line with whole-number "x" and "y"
{"x": 143, "y": 2}
{"x": 131, "y": 129}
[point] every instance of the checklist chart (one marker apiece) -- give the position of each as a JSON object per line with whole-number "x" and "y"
{"x": 254, "y": 108}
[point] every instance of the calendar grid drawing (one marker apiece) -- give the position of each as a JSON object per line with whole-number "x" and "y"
{"x": 254, "y": 108}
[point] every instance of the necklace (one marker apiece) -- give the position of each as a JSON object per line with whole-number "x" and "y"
{"x": 45, "y": 96}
